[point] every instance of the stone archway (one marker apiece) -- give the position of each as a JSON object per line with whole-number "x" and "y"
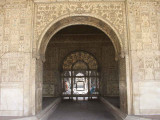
{"x": 77, "y": 20}
{"x": 82, "y": 20}
{"x": 83, "y": 69}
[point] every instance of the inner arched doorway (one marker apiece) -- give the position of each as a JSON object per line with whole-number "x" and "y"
{"x": 80, "y": 76}
{"x": 107, "y": 30}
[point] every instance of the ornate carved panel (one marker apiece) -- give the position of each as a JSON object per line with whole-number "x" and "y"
{"x": 80, "y": 56}
{"x": 145, "y": 18}
{"x": 145, "y": 46}
{"x": 112, "y": 12}
{"x": 1, "y": 29}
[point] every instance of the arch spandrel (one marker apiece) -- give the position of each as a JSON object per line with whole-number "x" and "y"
{"x": 108, "y": 11}
{"x": 109, "y": 18}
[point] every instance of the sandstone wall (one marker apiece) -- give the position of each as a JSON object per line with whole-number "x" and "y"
{"x": 144, "y": 30}
{"x": 23, "y": 23}
{"x": 15, "y": 57}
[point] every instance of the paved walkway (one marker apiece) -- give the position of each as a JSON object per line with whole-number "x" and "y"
{"x": 81, "y": 110}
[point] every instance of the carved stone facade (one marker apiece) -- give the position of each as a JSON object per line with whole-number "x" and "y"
{"x": 26, "y": 27}
{"x": 144, "y": 22}
{"x": 15, "y": 57}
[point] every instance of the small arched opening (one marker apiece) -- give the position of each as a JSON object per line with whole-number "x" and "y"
{"x": 80, "y": 76}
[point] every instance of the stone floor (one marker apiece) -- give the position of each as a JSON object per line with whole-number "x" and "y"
{"x": 9, "y": 117}
{"x": 154, "y": 117}
{"x": 81, "y": 110}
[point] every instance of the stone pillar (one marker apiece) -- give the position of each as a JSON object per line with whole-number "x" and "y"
{"x": 122, "y": 83}
{"x": 15, "y": 57}
{"x": 144, "y": 30}
{"x": 38, "y": 85}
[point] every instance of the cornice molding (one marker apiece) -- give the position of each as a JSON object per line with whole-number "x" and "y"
{"x": 53, "y": 1}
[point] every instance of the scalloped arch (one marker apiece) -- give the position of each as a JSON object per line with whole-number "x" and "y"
{"x": 82, "y": 56}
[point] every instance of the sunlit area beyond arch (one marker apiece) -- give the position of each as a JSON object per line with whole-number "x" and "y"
{"x": 80, "y": 76}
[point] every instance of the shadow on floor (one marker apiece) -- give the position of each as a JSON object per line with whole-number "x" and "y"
{"x": 114, "y": 101}
{"x": 81, "y": 110}
{"x": 46, "y": 101}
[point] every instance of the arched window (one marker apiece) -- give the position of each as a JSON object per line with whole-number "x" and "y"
{"x": 80, "y": 75}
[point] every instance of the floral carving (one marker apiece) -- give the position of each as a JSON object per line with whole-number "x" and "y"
{"x": 113, "y": 12}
